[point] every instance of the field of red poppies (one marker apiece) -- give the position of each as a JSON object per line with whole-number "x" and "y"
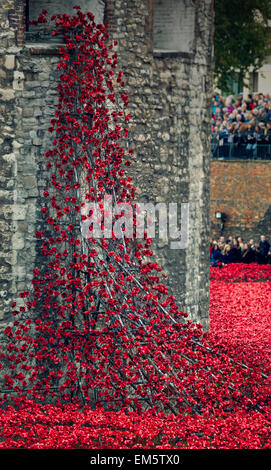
{"x": 240, "y": 299}
{"x": 240, "y": 308}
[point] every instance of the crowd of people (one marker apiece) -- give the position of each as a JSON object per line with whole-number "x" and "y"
{"x": 241, "y": 126}
{"x": 235, "y": 250}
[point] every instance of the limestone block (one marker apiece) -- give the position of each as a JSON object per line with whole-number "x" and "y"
{"x": 18, "y": 82}
{"x": 19, "y": 212}
{"x": 17, "y": 241}
{"x": 29, "y": 181}
{"x": 6, "y": 211}
{"x": 6, "y": 196}
{"x": 9, "y": 257}
{"x": 7, "y": 94}
{"x": 20, "y": 272}
{"x": 16, "y": 145}
{"x": 28, "y": 112}
{"x": 10, "y": 62}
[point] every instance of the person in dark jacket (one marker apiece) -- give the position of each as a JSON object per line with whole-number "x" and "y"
{"x": 248, "y": 255}
{"x": 236, "y": 252}
{"x": 263, "y": 250}
{"x": 228, "y": 256}
{"x": 216, "y": 258}
{"x": 251, "y": 140}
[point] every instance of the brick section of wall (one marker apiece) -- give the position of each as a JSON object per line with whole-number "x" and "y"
{"x": 241, "y": 189}
{"x": 17, "y": 21}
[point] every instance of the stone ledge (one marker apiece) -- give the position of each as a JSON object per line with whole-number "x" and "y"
{"x": 43, "y": 48}
{"x": 162, "y": 53}
{"x": 240, "y": 160}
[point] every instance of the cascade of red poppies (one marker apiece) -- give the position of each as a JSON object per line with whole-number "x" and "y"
{"x": 98, "y": 327}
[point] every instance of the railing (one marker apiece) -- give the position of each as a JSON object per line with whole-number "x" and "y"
{"x": 229, "y": 151}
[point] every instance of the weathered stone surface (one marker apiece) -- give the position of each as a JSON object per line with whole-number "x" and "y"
{"x": 174, "y": 26}
{"x": 169, "y": 133}
{"x": 10, "y": 61}
{"x": 169, "y": 103}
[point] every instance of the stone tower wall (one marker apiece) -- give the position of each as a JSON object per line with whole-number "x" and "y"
{"x": 170, "y": 129}
{"x": 169, "y": 132}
